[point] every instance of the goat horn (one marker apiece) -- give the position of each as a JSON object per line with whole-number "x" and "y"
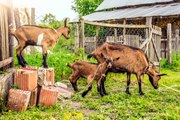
{"x": 162, "y": 74}
{"x": 66, "y": 22}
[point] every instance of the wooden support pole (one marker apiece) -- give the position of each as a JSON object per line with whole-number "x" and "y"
{"x": 81, "y": 36}
{"x": 124, "y": 31}
{"x": 76, "y": 37}
{"x": 177, "y": 40}
{"x": 149, "y": 47}
{"x": 115, "y": 35}
{"x": 169, "y": 38}
{"x": 97, "y": 35}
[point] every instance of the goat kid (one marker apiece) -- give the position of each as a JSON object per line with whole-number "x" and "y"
{"x": 38, "y": 36}
{"x": 90, "y": 71}
{"x": 132, "y": 61}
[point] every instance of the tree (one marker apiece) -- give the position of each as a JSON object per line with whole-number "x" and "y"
{"x": 84, "y": 7}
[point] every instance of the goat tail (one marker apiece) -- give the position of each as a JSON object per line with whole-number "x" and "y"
{"x": 69, "y": 65}
{"x": 89, "y": 56}
{"x": 11, "y": 29}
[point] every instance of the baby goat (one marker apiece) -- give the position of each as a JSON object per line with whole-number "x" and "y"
{"x": 37, "y": 36}
{"x": 91, "y": 72}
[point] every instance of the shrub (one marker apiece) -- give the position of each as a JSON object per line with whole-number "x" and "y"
{"x": 175, "y": 62}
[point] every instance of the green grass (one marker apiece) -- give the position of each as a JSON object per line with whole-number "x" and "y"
{"x": 163, "y": 103}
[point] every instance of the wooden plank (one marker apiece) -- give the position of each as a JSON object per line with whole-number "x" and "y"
{"x": 115, "y": 35}
{"x": 146, "y": 41}
{"x": 6, "y": 62}
{"x": 81, "y": 36}
{"x": 114, "y": 25}
{"x": 169, "y": 38}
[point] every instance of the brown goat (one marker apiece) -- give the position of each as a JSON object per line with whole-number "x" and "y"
{"x": 90, "y": 71}
{"x": 37, "y": 36}
{"x": 132, "y": 60}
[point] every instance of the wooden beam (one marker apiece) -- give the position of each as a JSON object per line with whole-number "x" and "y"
{"x": 6, "y": 62}
{"x": 115, "y": 25}
{"x": 81, "y": 35}
{"x": 169, "y": 38}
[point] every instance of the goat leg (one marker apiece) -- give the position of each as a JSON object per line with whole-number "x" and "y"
{"x": 86, "y": 91}
{"x": 128, "y": 83}
{"x": 44, "y": 61}
{"x": 103, "y": 87}
{"x": 20, "y": 61}
{"x": 22, "y": 58}
{"x": 139, "y": 83}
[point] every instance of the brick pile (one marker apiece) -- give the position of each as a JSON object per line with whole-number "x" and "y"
{"x": 34, "y": 87}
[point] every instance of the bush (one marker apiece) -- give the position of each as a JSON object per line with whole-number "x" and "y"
{"x": 175, "y": 62}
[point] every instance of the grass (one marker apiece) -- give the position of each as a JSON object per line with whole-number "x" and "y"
{"x": 163, "y": 103}
{"x": 156, "y": 104}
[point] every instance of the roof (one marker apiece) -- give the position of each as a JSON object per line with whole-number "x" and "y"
{"x": 108, "y": 4}
{"x": 145, "y": 11}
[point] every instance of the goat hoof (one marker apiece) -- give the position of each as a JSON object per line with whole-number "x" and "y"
{"x": 105, "y": 93}
{"x": 83, "y": 94}
{"x": 127, "y": 92}
{"x": 141, "y": 93}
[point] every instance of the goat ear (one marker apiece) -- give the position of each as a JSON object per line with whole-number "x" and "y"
{"x": 116, "y": 58}
{"x": 162, "y": 74}
{"x": 66, "y": 22}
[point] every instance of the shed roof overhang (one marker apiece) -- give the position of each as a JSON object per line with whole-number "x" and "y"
{"x": 139, "y": 12}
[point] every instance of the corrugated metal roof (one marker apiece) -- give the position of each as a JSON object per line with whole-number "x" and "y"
{"x": 157, "y": 10}
{"x": 107, "y": 4}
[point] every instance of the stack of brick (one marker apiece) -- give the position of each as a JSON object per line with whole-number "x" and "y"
{"x": 33, "y": 89}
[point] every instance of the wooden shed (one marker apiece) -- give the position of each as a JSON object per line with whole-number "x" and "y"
{"x": 152, "y": 25}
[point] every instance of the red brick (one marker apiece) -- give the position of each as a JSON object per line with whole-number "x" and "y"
{"x": 32, "y": 68}
{"x": 18, "y": 100}
{"x": 33, "y": 98}
{"x": 48, "y": 96}
{"x": 26, "y": 79}
{"x": 46, "y": 76}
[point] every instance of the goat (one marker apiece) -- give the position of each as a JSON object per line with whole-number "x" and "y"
{"x": 37, "y": 36}
{"x": 90, "y": 71}
{"x": 132, "y": 60}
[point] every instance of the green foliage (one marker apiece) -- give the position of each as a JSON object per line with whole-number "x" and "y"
{"x": 175, "y": 62}
{"x": 84, "y": 7}
{"x": 50, "y": 21}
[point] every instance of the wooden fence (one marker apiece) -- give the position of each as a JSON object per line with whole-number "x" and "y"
{"x": 6, "y": 44}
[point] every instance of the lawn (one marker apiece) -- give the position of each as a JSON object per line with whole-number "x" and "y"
{"x": 163, "y": 103}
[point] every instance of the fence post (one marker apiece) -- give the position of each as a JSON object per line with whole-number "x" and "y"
{"x": 177, "y": 40}
{"x": 81, "y": 36}
{"x": 149, "y": 46}
{"x": 76, "y": 36}
{"x": 169, "y": 39}
{"x": 115, "y": 35}
{"x": 97, "y": 35}
{"x": 124, "y": 31}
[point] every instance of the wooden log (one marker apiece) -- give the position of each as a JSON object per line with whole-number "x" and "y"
{"x": 33, "y": 22}
{"x": 6, "y": 62}
{"x": 169, "y": 38}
